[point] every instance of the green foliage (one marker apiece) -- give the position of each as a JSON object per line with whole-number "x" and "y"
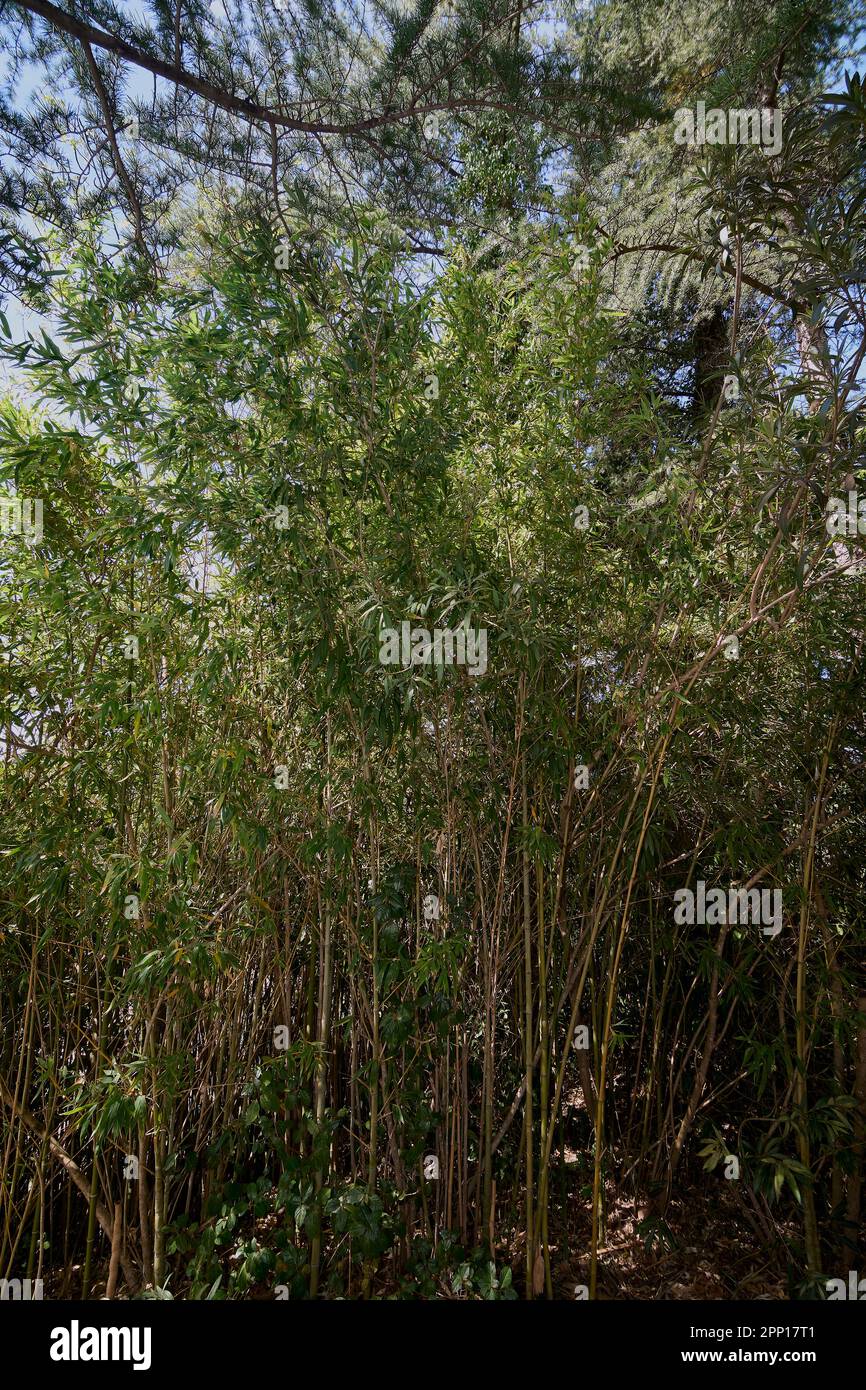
{"x": 278, "y": 916}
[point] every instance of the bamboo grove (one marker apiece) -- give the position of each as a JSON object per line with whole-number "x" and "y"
{"x": 328, "y": 978}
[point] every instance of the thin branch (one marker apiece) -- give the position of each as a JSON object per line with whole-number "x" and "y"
{"x": 119, "y": 165}
{"x": 240, "y": 106}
